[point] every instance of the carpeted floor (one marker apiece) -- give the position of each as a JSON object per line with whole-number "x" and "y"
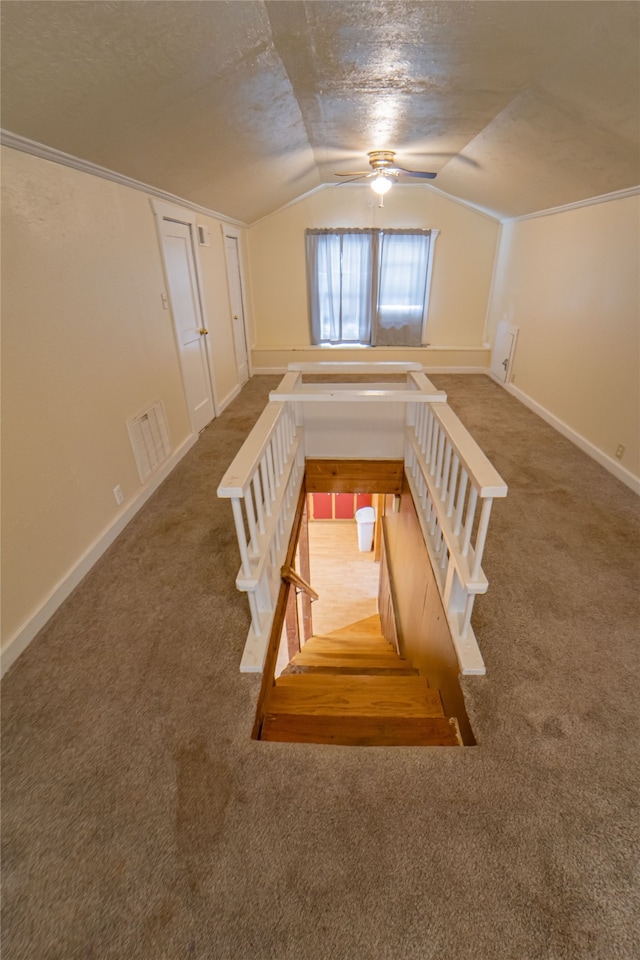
{"x": 140, "y": 821}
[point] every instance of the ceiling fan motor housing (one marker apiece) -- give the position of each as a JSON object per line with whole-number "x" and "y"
{"x": 381, "y": 159}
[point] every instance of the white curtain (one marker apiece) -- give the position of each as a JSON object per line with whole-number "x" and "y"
{"x": 403, "y": 275}
{"x": 341, "y": 284}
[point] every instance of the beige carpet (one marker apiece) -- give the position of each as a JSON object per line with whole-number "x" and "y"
{"x": 140, "y": 822}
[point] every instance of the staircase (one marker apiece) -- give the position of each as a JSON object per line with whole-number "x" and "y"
{"x": 350, "y": 687}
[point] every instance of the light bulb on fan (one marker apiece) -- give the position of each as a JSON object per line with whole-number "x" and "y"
{"x": 381, "y": 184}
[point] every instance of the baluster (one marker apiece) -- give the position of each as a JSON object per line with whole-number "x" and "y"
{"x": 424, "y": 494}
{"x": 266, "y": 485}
{"x": 445, "y": 555}
{"x": 427, "y": 445}
{"x": 435, "y": 436}
{"x": 236, "y": 506}
{"x": 445, "y": 471}
{"x": 481, "y": 535}
{"x": 288, "y": 426}
{"x": 251, "y": 518}
{"x": 438, "y": 540}
{"x": 439, "y": 458}
{"x": 257, "y": 489}
{"x": 471, "y": 509}
{"x": 462, "y": 490}
{"x": 278, "y": 452}
{"x": 272, "y": 472}
{"x": 452, "y": 484}
{"x": 417, "y": 431}
{"x": 424, "y": 422}
{"x": 434, "y": 518}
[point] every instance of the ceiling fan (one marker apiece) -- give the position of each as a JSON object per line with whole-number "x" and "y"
{"x": 384, "y": 172}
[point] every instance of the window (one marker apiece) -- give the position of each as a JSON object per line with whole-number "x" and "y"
{"x": 369, "y": 286}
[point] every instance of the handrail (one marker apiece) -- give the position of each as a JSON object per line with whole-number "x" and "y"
{"x": 289, "y": 575}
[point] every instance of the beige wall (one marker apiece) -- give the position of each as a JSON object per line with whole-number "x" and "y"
{"x": 86, "y": 345}
{"x": 569, "y": 281}
{"x": 462, "y": 270}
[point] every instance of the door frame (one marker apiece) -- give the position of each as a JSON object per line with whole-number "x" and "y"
{"x": 170, "y": 211}
{"x": 229, "y": 231}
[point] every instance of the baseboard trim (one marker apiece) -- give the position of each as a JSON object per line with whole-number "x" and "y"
{"x": 230, "y": 397}
{"x": 434, "y": 370}
{"x": 611, "y": 465}
{"x": 21, "y": 639}
{"x": 257, "y": 371}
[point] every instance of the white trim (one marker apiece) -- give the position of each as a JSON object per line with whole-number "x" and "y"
{"x": 235, "y": 233}
{"x": 24, "y": 145}
{"x": 494, "y": 273}
{"x": 258, "y": 371}
{"x": 436, "y": 370}
{"x": 483, "y": 211}
{"x": 223, "y": 404}
{"x": 489, "y": 214}
{"x": 592, "y": 201}
{"x": 25, "y": 634}
{"x": 434, "y": 234}
{"x": 170, "y": 211}
{"x": 613, "y": 467}
{"x": 291, "y": 203}
{"x": 324, "y": 347}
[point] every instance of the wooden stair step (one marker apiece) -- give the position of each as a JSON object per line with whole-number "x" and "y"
{"x": 352, "y": 660}
{"x": 355, "y": 668}
{"x": 367, "y": 625}
{"x": 355, "y": 696}
{"x": 314, "y": 649}
{"x": 348, "y": 646}
{"x": 362, "y": 731}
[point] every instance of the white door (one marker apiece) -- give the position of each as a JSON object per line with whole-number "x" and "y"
{"x": 237, "y": 308}
{"x": 503, "y": 351}
{"x": 191, "y": 334}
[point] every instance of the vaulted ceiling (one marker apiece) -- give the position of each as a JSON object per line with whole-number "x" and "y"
{"x": 243, "y": 106}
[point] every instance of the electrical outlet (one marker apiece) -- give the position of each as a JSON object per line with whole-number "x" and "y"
{"x": 118, "y": 494}
{"x": 620, "y": 451}
{"x": 512, "y": 378}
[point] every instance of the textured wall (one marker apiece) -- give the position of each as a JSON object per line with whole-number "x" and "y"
{"x": 86, "y": 345}
{"x": 462, "y": 265}
{"x": 570, "y": 283}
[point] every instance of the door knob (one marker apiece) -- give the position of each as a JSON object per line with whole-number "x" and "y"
{"x": 235, "y": 316}
{"x": 203, "y": 331}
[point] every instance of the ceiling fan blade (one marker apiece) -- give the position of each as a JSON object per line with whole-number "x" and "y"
{"x": 364, "y": 176}
{"x": 413, "y": 173}
{"x": 356, "y": 173}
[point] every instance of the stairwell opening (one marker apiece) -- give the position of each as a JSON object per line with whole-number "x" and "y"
{"x": 367, "y": 662}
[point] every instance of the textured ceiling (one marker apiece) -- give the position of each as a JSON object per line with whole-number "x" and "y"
{"x": 244, "y": 106}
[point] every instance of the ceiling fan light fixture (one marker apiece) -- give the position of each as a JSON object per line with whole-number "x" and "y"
{"x": 381, "y": 184}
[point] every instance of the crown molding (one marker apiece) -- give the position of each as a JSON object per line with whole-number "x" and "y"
{"x": 590, "y": 202}
{"x": 41, "y": 150}
{"x": 494, "y": 217}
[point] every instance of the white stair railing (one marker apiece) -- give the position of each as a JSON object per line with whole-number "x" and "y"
{"x": 263, "y": 484}
{"x": 453, "y": 487}
{"x": 452, "y": 483}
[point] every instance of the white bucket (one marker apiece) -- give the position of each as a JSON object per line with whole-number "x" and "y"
{"x": 365, "y": 518}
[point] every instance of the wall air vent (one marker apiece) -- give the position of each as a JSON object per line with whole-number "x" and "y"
{"x": 204, "y": 237}
{"x": 149, "y": 439}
